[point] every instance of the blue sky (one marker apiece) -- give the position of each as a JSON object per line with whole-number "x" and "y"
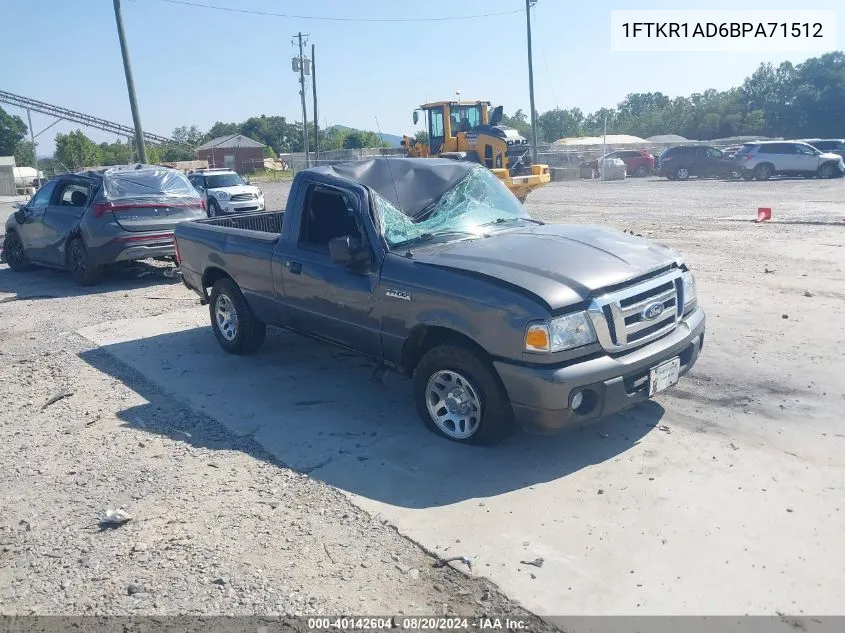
{"x": 197, "y": 66}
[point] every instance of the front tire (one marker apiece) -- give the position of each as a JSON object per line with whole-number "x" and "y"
{"x": 682, "y": 173}
{"x": 459, "y": 397}
{"x": 235, "y": 326}
{"x": 641, "y": 171}
{"x": 15, "y": 254}
{"x": 825, "y": 171}
{"x": 83, "y": 271}
{"x": 213, "y": 208}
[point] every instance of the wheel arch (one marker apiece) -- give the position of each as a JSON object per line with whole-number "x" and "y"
{"x": 211, "y": 276}
{"x": 424, "y": 337}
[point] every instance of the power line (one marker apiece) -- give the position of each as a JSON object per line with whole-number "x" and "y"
{"x": 336, "y": 19}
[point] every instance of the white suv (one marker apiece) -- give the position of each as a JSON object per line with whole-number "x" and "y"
{"x": 224, "y": 191}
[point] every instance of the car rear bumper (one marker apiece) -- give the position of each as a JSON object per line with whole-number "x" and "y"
{"x": 541, "y": 397}
{"x": 133, "y": 247}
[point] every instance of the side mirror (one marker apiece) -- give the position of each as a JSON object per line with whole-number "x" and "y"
{"x": 20, "y": 215}
{"x": 347, "y": 250}
{"x": 416, "y": 117}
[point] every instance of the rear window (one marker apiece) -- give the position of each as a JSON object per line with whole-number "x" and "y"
{"x": 745, "y": 149}
{"x": 147, "y": 183}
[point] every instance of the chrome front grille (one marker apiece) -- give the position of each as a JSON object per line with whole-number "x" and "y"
{"x": 241, "y": 197}
{"x": 636, "y": 315}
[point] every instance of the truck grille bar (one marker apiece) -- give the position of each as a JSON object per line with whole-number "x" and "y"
{"x": 639, "y": 314}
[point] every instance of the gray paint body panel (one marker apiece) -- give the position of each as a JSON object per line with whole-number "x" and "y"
{"x": 487, "y": 289}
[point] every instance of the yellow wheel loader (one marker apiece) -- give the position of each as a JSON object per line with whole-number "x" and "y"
{"x": 468, "y": 130}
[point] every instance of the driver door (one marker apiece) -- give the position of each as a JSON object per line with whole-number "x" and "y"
{"x": 324, "y": 298}
{"x": 32, "y": 231}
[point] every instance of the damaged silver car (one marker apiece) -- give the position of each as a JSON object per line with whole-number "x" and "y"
{"x": 85, "y": 221}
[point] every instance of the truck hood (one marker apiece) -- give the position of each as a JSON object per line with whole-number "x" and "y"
{"x": 563, "y": 265}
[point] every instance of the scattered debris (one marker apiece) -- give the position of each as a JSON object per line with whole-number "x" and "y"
{"x": 93, "y": 420}
{"x": 329, "y": 554}
{"x": 767, "y": 271}
{"x": 789, "y": 510}
{"x": 537, "y": 562}
{"x": 664, "y": 428}
{"x": 54, "y": 399}
{"x": 133, "y": 588}
{"x": 600, "y": 491}
{"x": 784, "y": 316}
{"x": 414, "y": 574}
{"x": 114, "y": 519}
{"x": 445, "y": 561}
{"x": 734, "y": 446}
{"x": 222, "y": 580}
{"x": 807, "y": 293}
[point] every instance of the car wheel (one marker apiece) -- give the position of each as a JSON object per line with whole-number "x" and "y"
{"x": 83, "y": 271}
{"x": 213, "y": 208}
{"x": 825, "y": 171}
{"x": 235, "y": 326}
{"x": 641, "y": 171}
{"x": 14, "y": 253}
{"x": 682, "y": 173}
{"x": 459, "y": 397}
{"x": 763, "y": 172}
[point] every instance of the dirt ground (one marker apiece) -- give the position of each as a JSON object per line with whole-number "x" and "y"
{"x": 221, "y": 524}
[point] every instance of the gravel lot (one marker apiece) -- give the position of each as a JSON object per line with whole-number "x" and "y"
{"x": 220, "y": 526}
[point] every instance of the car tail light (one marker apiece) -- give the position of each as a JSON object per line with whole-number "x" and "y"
{"x": 101, "y": 208}
{"x": 203, "y": 206}
{"x": 178, "y": 255}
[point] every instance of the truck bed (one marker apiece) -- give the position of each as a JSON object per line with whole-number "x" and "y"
{"x": 264, "y": 222}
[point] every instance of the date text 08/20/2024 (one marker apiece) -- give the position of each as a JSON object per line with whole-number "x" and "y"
{"x": 419, "y": 623}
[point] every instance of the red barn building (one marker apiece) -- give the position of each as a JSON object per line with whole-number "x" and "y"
{"x": 234, "y": 151}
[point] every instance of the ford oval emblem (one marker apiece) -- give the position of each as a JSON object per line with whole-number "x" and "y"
{"x": 652, "y": 311}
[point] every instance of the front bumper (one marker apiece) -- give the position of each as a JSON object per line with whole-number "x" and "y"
{"x": 241, "y": 206}
{"x": 540, "y": 397}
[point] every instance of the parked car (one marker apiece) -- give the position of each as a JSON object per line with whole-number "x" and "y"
{"x": 224, "y": 191}
{"x": 764, "y": 159}
{"x": 730, "y": 151}
{"x": 432, "y": 268}
{"x": 638, "y": 163}
{"x": 828, "y": 145}
{"x": 684, "y": 161}
{"x": 85, "y": 221}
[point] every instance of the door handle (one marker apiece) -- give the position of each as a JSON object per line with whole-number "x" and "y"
{"x": 294, "y": 267}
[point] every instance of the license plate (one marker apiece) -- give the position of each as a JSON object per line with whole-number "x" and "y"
{"x": 663, "y": 376}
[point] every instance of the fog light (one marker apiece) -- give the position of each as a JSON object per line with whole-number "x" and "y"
{"x": 577, "y": 399}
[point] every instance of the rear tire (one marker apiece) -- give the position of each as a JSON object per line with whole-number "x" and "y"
{"x": 459, "y": 396}
{"x": 235, "y": 326}
{"x": 763, "y": 172}
{"x": 213, "y": 208}
{"x": 682, "y": 173}
{"x": 83, "y": 271}
{"x": 14, "y": 253}
{"x": 641, "y": 171}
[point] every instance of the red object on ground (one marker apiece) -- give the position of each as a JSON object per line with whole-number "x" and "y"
{"x": 764, "y": 213}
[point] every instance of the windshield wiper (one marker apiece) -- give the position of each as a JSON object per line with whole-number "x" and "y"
{"x": 424, "y": 237}
{"x": 504, "y": 220}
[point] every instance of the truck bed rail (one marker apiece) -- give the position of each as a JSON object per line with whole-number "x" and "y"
{"x": 266, "y": 222}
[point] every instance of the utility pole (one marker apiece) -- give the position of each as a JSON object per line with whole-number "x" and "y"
{"x": 32, "y": 140}
{"x": 130, "y": 85}
{"x": 528, "y": 5}
{"x": 314, "y": 91}
{"x": 302, "y": 96}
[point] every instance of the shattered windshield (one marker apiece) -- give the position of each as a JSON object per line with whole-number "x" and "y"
{"x": 470, "y": 208}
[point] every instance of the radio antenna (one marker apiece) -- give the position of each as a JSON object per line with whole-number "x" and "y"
{"x": 389, "y": 169}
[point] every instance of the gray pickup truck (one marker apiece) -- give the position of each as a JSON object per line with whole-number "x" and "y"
{"x": 432, "y": 268}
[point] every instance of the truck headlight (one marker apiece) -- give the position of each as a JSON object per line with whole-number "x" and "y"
{"x": 561, "y": 333}
{"x": 690, "y": 293}
{"x": 222, "y": 195}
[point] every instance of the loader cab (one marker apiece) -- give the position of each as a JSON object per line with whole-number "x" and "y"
{"x": 445, "y": 119}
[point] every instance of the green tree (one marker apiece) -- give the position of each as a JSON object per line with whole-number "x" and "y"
{"x": 519, "y": 121}
{"x": 116, "y": 153}
{"x": 75, "y": 150}
{"x": 12, "y": 131}
{"x": 221, "y": 129}
{"x": 269, "y": 152}
{"x": 24, "y": 153}
{"x": 421, "y": 137}
{"x": 556, "y": 124}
